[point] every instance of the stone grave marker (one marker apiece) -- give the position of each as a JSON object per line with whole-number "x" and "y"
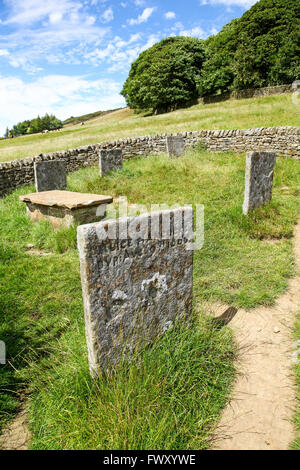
{"x": 50, "y": 175}
{"x": 137, "y": 280}
{"x": 110, "y": 160}
{"x": 175, "y": 145}
{"x": 258, "y": 179}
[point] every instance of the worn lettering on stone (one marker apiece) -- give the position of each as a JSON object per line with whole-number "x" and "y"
{"x": 133, "y": 289}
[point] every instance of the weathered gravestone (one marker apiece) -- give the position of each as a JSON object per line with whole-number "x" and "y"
{"x": 175, "y": 145}
{"x": 136, "y": 282}
{"x": 50, "y": 175}
{"x": 258, "y": 179}
{"x": 110, "y": 160}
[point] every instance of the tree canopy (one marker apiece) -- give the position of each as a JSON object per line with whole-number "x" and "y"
{"x": 165, "y": 76}
{"x": 39, "y": 124}
{"x": 262, "y": 48}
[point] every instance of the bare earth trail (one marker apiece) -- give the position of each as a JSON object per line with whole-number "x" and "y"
{"x": 16, "y": 435}
{"x": 260, "y": 412}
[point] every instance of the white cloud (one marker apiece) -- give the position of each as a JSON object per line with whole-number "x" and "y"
{"x": 194, "y": 32}
{"x": 55, "y": 17}
{"x": 108, "y": 15}
{"x": 31, "y": 11}
{"x": 214, "y": 30}
{"x": 90, "y": 20}
{"x": 170, "y": 15}
{"x": 61, "y": 95}
{"x": 61, "y": 25}
{"x": 134, "y": 38}
{"x": 239, "y": 3}
{"x": 119, "y": 54}
{"x": 4, "y": 52}
{"x": 153, "y": 38}
{"x": 143, "y": 17}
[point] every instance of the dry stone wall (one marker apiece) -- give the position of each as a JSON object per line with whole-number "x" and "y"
{"x": 21, "y": 172}
{"x": 248, "y": 93}
{"x": 285, "y": 141}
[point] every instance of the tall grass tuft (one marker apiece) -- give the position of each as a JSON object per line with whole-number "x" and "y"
{"x": 168, "y": 397}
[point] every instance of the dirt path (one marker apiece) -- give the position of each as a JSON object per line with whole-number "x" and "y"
{"x": 260, "y": 413}
{"x": 15, "y": 435}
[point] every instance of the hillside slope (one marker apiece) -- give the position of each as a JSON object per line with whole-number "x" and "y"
{"x": 234, "y": 114}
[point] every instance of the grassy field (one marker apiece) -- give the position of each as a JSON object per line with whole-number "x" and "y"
{"x": 240, "y": 114}
{"x": 172, "y": 395}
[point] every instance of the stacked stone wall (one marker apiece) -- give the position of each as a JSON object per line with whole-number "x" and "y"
{"x": 285, "y": 141}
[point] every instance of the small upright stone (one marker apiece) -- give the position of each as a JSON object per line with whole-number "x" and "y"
{"x": 175, "y": 145}
{"x": 110, "y": 160}
{"x": 258, "y": 179}
{"x": 50, "y": 175}
{"x": 137, "y": 281}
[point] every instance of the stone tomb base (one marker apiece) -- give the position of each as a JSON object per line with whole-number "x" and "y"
{"x": 66, "y": 208}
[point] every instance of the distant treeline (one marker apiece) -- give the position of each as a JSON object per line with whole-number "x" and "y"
{"x": 48, "y": 122}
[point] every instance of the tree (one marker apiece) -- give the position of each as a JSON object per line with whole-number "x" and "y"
{"x": 261, "y": 48}
{"x": 165, "y": 76}
{"x": 217, "y": 73}
{"x": 39, "y": 124}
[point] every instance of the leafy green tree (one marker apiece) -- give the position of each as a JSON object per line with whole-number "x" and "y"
{"x": 217, "y": 73}
{"x": 261, "y": 48}
{"x": 165, "y": 76}
{"x": 39, "y": 124}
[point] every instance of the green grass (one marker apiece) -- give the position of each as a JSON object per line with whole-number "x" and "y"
{"x": 158, "y": 401}
{"x": 169, "y": 398}
{"x": 236, "y": 263}
{"x": 233, "y": 114}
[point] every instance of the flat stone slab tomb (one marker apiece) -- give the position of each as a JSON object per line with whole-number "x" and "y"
{"x": 65, "y": 207}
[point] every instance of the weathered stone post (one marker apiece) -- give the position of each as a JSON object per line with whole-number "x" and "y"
{"x": 110, "y": 160}
{"x": 175, "y": 145}
{"x": 50, "y": 175}
{"x": 137, "y": 280}
{"x": 258, "y": 179}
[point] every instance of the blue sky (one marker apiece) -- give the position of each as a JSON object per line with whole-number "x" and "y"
{"x": 71, "y": 57}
